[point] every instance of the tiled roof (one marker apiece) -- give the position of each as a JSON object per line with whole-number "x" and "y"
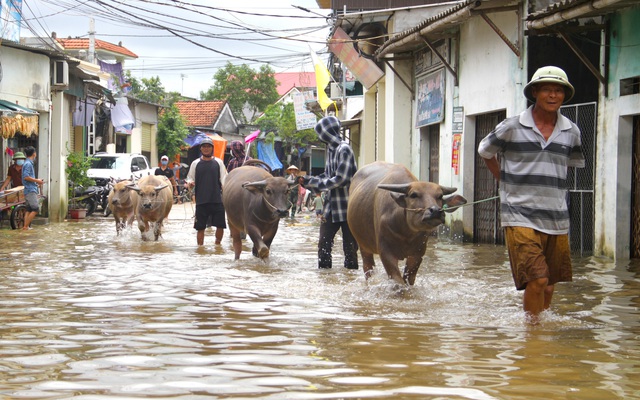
{"x": 200, "y": 112}
{"x": 288, "y": 80}
{"x": 83, "y": 43}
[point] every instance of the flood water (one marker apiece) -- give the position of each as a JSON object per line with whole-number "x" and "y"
{"x": 89, "y": 315}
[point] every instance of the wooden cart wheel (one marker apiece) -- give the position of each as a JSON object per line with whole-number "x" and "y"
{"x": 17, "y": 216}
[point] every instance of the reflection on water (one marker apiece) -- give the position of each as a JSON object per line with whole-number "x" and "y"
{"x": 86, "y": 314}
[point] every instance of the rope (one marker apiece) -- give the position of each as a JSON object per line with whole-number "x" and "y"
{"x": 444, "y": 207}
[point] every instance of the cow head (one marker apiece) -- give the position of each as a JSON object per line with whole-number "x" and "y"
{"x": 120, "y": 193}
{"x": 274, "y": 192}
{"x": 424, "y": 202}
{"x": 148, "y": 194}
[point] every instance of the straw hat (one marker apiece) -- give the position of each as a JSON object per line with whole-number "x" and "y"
{"x": 292, "y": 167}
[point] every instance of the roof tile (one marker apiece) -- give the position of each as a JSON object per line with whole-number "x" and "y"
{"x": 200, "y": 113}
{"x": 83, "y": 43}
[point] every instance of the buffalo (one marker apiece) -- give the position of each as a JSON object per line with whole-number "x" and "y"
{"x": 254, "y": 202}
{"x": 123, "y": 205}
{"x": 154, "y": 203}
{"x": 391, "y": 213}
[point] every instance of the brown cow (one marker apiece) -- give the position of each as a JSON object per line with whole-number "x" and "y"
{"x": 254, "y": 202}
{"x": 123, "y": 205}
{"x": 154, "y": 203}
{"x": 392, "y": 213}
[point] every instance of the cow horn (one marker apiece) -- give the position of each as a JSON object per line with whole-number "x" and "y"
{"x": 395, "y": 187}
{"x": 255, "y": 185}
{"x": 159, "y": 188}
{"x": 133, "y": 186}
{"x": 448, "y": 190}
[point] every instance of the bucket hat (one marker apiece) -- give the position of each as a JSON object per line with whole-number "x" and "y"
{"x": 19, "y": 155}
{"x": 549, "y": 74}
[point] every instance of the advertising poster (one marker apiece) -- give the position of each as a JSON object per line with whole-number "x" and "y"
{"x": 305, "y": 119}
{"x": 430, "y": 99}
{"x": 455, "y": 153}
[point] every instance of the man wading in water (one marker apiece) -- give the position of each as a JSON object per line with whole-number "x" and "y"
{"x": 535, "y": 149}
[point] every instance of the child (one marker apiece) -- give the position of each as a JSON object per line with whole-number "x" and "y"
{"x": 317, "y": 204}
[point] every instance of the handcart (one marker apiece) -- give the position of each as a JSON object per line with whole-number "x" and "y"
{"x": 12, "y": 206}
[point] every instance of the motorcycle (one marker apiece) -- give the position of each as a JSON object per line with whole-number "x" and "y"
{"x": 90, "y": 197}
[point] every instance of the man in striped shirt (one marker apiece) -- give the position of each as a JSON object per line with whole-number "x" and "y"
{"x": 535, "y": 150}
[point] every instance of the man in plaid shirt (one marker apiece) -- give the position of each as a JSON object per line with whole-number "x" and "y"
{"x": 339, "y": 168}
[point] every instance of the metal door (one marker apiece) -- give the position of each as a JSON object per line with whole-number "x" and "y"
{"x": 486, "y": 215}
{"x": 635, "y": 191}
{"x": 580, "y": 181}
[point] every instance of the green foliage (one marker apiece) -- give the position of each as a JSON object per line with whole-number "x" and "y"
{"x": 77, "y": 166}
{"x": 280, "y": 118}
{"x": 151, "y": 90}
{"x": 171, "y": 132}
{"x": 241, "y": 86}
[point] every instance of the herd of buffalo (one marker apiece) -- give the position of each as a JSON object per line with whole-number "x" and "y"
{"x": 390, "y": 212}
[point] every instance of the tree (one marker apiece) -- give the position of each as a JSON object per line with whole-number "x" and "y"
{"x": 242, "y": 87}
{"x": 280, "y": 118}
{"x": 171, "y": 132}
{"x": 151, "y": 90}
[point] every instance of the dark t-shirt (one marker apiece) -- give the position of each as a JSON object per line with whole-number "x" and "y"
{"x": 208, "y": 188}
{"x": 16, "y": 175}
{"x": 167, "y": 172}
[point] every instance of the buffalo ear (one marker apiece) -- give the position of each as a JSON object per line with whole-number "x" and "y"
{"x": 453, "y": 202}
{"x": 399, "y": 198}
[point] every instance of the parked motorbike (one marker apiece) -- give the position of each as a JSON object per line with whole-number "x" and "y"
{"x": 90, "y": 197}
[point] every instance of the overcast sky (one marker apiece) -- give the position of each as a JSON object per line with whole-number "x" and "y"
{"x": 185, "y": 42}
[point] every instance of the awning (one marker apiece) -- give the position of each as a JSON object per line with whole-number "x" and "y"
{"x": 12, "y": 108}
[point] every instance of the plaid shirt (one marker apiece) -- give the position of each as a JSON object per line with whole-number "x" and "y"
{"x": 339, "y": 169}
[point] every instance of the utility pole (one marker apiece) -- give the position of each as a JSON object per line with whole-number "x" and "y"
{"x": 92, "y": 41}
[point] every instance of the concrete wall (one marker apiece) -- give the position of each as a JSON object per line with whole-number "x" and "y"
{"x": 614, "y": 140}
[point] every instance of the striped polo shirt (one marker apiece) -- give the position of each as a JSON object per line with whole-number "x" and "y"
{"x": 533, "y": 172}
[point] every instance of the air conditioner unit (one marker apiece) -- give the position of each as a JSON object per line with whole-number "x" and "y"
{"x": 60, "y": 73}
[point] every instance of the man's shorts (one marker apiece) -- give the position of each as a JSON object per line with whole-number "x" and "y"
{"x": 535, "y": 255}
{"x": 31, "y": 201}
{"x": 213, "y": 210}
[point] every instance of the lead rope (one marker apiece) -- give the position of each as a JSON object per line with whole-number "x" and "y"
{"x": 444, "y": 207}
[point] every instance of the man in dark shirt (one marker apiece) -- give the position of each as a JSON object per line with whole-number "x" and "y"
{"x": 168, "y": 172}
{"x": 206, "y": 175}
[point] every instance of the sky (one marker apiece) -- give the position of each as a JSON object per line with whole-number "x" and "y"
{"x": 185, "y": 42}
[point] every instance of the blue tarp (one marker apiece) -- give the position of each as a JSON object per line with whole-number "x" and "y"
{"x": 195, "y": 139}
{"x": 267, "y": 154}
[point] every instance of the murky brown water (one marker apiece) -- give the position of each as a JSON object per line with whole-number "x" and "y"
{"x": 89, "y": 315}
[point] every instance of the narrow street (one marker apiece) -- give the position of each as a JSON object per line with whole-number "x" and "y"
{"x": 87, "y": 314}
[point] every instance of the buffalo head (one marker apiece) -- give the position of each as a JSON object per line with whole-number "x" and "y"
{"x": 274, "y": 192}
{"x": 424, "y": 202}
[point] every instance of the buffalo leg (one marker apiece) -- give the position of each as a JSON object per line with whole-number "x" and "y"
{"x": 390, "y": 264}
{"x": 237, "y": 241}
{"x": 367, "y": 263}
{"x": 157, "y": 229}
{"x": 411, "y": 269}
{"x": 260, "y": 247}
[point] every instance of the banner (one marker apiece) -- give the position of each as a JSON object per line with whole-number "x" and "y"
{"x": 366, "y": 71}
{"x": 322, "y": 80}
{"x": 305, "y": 119}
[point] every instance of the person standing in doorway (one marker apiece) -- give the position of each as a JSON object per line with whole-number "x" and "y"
{"x": 535, "y": 150}
{"x": 14, "y": 173}
{"x": 340, "y": 166}
{"x": 164, "y": 170}
{"x": 206, "y": 175}
{"x": 32, "y": 185}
